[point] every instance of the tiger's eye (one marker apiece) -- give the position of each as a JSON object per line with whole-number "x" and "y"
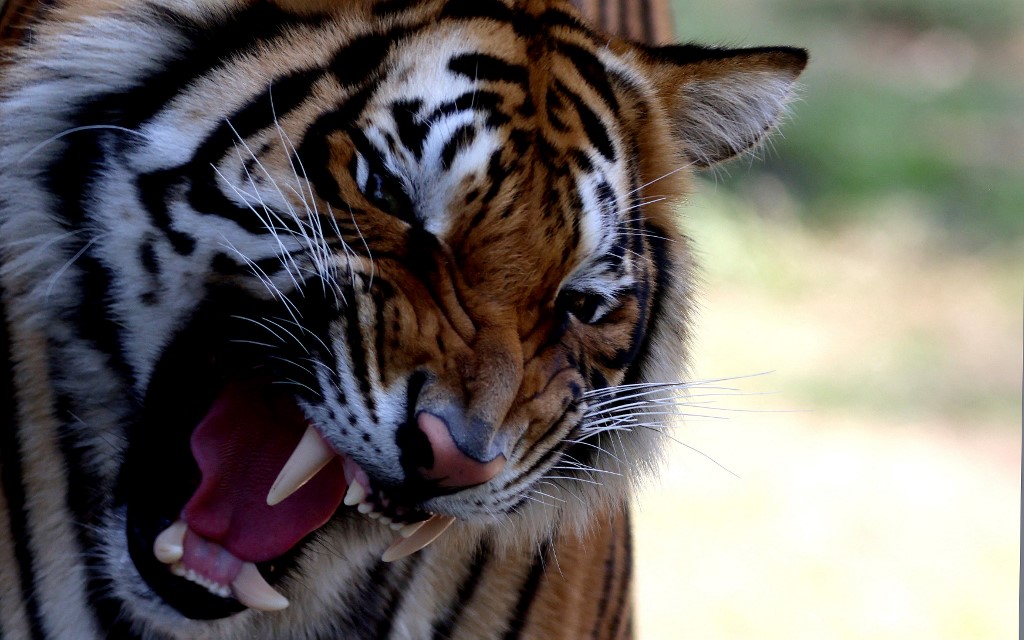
{"x": 583, "y": 306}
{"x": 387, "y": 194}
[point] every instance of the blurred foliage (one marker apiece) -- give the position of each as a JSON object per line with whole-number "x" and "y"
{"x": 869, "y": 257}
{"x": 908, "y": 107}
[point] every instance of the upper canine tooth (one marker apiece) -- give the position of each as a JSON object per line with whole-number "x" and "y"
{"x": 310, "y": 456}
{"x": 169, "y": 546}
{"x": 423, "y": 536}
{"x": 252, "y": 590}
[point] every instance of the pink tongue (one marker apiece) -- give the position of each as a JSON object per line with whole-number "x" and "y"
{"x": 240, "y": 446}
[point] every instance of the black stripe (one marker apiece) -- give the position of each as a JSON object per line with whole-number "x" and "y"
{"x": 93, "y": 318}
{"x": 412, "y": 129}
{"x": 487, "y": 9}
{"x": 388, "y": 7}
{"x": 68, "y": 178}
{"x": 394, "y": 593}
{"x": 315, "y": 149}
{"x": 592, "y": 72}
{"x": 610, "y": 564}
{"x": 357, "y": 350}
{"x": 204, "y": 195}
{"x": 148, "y": 258}
{"x": 497, "y": 173}
{"x": 483, "y": 101}
{"x": 592, "y": 125}
{"x": 460, "y": 140}
{"x": 558, "y": 18}
{"x": 359, "y": 616}
{"x": 650, "y": 298}
{"x": 206, "y": 49}
{"x": 527, "y": 595}
{"x": 288, "y": 92}
{"x": 380, "y": 300}
{"x": 621, "y": 602}
{"x": 446, "y": 624}
{"x": 684, "y": 54}
{"x": 360, "y": 59}
{"x": 488, "y": 68}
{"x": 86, "y": 495}
{"x": 14, "y": 488}
{"x": 554, "y": 105}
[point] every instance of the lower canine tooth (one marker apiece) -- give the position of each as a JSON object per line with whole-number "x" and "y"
{"x": 252, "y": 590}
{"x": 420, "y": 538}
{"x": 169, "y": 546}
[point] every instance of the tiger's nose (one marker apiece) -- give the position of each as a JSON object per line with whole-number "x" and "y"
{"x": 450, "y": 466}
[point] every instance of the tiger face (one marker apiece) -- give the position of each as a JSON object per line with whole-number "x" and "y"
{"x": 322, "y": 283}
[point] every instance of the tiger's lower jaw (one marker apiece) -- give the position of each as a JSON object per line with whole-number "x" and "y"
{"x": 264, "y": 491}
{"x": 227, "y": 544}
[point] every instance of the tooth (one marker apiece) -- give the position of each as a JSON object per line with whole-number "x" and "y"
{"x": 252, "y": 590}
{"x": 395, "y": 526}
{"x": 355, "y": 494}
{"x": 310, "y": 456}
{"x": 407, "y": 530}
{"x": 427, "y": 533}
{"x": 169, "y": 546}
{"x": 373, "y": 515}
{"x": 365, "y": 508}
{"x": 384, "y": 520}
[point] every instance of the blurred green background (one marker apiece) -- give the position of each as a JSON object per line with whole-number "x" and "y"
{"x": 917, "y": 104}
{"x": 869, "y": 258}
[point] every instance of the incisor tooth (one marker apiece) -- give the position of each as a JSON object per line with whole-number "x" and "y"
{"x": 427, "y": 533}
{"x": 310, "y": 456}
{"x": 169, "y": 546}
{"x": 252, "y": 590}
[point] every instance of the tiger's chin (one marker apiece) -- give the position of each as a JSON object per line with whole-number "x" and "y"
{"x": 227, "y": 480}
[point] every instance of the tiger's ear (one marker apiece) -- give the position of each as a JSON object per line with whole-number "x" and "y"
{"x": 722, "y": 102}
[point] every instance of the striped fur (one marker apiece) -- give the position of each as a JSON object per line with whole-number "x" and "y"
{"x": 360, "y": 212}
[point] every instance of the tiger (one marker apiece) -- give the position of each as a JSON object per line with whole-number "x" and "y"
{"x": 358, "y": 319}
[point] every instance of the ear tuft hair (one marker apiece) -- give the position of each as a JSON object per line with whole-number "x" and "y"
{"x": 722, "y": 102}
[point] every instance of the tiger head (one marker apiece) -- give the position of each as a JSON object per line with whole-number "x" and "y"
{"x": 315, "y": 264}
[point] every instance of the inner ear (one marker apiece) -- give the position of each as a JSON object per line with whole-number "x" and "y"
{"x": 722, "y": 102}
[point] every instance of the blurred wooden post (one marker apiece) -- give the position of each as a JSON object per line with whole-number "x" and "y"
{"x": 647, "y": 21}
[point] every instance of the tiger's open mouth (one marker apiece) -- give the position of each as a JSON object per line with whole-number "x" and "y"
{"x": 227, "y": 478}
